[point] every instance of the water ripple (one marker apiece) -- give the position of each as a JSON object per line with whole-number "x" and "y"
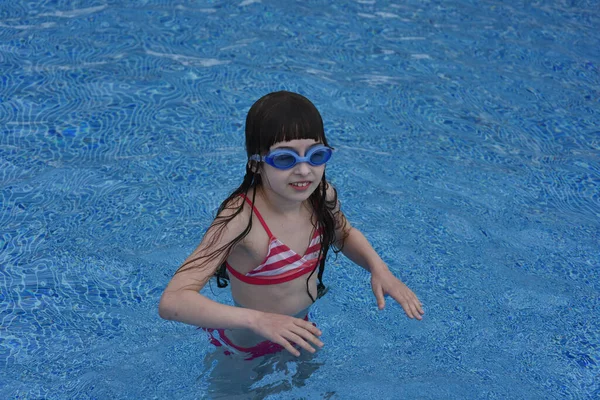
{"x": 467, "y": 152}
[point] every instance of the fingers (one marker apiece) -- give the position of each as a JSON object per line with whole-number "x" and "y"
{"x": 420, "y": 308}
{"x": 309, "y": 332}
{"x": 309, "y": 326}
{"x": 300, "y": 333}
{"x": 292, "y": 336}
{"x": 378, "y": 290}
{"x": 412, "y": 308}
{"x": 410, "y": 303}
{"x": 415, "y": 312}
{"x": 288, "y": 346}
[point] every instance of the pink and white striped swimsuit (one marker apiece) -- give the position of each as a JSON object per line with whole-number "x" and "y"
{"x": 281, "y": 264}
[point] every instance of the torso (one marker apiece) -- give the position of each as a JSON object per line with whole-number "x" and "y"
{"x": 290, "y": 298}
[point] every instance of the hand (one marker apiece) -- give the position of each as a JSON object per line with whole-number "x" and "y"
{"x": 285, "y": 330}
{"x": 384, "y": 282}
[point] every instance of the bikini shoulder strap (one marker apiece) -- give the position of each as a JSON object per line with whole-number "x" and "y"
{"x": 260, "y": 218}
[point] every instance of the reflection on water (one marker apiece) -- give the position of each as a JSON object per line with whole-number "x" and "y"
{"x": 232, "y": 377}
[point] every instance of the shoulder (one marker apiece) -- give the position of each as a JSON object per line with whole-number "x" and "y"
{"x": 334, "y": 205}
{"x": 230, "y": 206}
{"x": 332, "y": 201}
{"x": 330, "y": 193}
{"x": 234, "y": 214}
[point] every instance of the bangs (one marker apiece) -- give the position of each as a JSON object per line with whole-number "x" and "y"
{"x": 281, "y": 117}
{"x": 285, "y": 122}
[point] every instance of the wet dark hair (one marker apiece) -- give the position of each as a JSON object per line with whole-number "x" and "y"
{"x": 277, "y": 117}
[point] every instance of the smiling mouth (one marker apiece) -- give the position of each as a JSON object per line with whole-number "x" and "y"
{"x": 301, "y": 184}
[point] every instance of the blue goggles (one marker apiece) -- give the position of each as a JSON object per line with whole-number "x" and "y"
{"x": 286, "y": 159}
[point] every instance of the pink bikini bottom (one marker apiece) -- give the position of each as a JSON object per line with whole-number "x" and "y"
{"x": 218, "y": 338}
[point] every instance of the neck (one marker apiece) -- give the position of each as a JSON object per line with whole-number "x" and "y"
{"x": 279, "y": 205}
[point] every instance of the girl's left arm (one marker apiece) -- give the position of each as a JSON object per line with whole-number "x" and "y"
{"x": 358, "y": 249}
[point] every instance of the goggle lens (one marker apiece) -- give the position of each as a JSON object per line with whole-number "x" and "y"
{"x": 287, "y": 160}
{"x": 319, "y": 157}
{"x": 284, "y": 160}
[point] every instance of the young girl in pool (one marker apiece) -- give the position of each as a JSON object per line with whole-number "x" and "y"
{"x": 269, "y": 238}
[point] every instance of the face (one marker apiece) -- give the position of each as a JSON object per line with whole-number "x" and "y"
{"x": 298, "y": 182}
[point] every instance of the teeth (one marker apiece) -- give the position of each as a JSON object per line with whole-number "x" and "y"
{"x": 301, "y": 184}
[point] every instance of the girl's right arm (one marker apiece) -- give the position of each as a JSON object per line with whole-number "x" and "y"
{"x": 181, "y": 300}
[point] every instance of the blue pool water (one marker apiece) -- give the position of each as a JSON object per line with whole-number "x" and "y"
{"x": 469, "y": 154}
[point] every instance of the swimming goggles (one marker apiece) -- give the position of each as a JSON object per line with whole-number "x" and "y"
{"x": 286, "y": 159}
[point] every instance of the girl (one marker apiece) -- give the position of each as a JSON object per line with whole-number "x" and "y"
{"x": 270, "y": 236}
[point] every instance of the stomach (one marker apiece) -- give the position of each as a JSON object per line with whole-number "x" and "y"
{"x": 288, "y": 298}
{"x": 247, "y": 338}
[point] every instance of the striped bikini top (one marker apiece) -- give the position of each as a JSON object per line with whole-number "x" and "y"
{"x": 281, "y": 264}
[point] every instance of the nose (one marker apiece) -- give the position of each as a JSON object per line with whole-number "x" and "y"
{"x": 302, "y": 168}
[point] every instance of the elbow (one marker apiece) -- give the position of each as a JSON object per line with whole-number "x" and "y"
{"x": 166, "y": 307}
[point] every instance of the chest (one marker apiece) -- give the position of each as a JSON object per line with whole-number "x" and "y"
{"x": 295, "y": 234}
